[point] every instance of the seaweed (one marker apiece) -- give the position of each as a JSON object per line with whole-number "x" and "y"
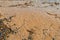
{"x": 24, "y": 39}
{"x": 4, "y": 29}
{"x": 56, "y": 3}
{"x": 30, "y": 36}
{"x": 26, "y": 4}
{"x": 53, "y": 38}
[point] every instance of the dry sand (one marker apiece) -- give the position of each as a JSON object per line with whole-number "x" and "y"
{"x": 33, "y": 22}
{"x": 33, "y": 19}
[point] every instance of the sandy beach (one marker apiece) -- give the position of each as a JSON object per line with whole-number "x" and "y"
{"x": 33, "y": 23}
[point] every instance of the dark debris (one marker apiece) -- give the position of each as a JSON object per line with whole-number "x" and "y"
{"x": 5, "y": 30}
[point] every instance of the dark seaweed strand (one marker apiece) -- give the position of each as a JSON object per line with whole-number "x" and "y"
{"x": 4, "y": 30}
{"x": 31, "y": 32}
